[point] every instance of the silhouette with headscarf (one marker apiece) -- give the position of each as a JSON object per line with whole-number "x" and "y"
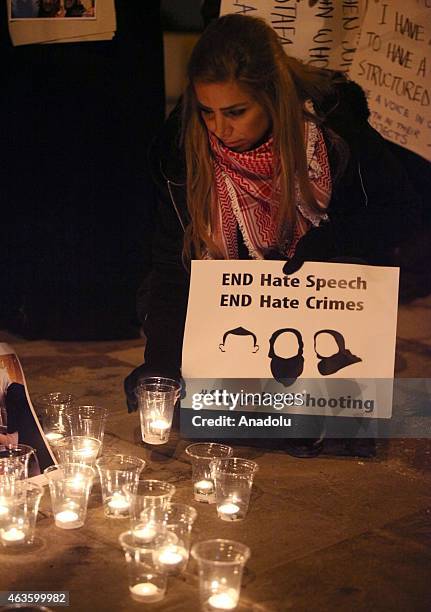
{"x": 339, "y": 360}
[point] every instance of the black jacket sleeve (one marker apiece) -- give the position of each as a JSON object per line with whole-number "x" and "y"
{"x": 373, "y": 207}
{"x": 167, "y": 287}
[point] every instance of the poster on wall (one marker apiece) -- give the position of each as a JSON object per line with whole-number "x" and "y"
{"x": 53, "y": 9}
{"x": 323, "y": 339}
{"x": 19, "y": 423}
{"x": 60, "y": 21}
{"x": 324, "y": 33}
{"x": 393, "y": 65}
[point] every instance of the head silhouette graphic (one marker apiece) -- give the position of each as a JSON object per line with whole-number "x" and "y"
{"x": 339, "y": 360}
{"x": 286, "y": 370}
{"x": 239, "y": 331}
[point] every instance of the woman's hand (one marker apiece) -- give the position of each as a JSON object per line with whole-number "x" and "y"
{"x": 318, "y": 244}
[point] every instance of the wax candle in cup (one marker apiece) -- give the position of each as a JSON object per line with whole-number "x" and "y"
{"x": 13, "y": 535}
{"x": 116, "y": 473}
{"x": 221, "y": 564}
{"x": 228, "y": 511}
{"x": 156, "y": 400}
{"x": 146, "y": 592}
{"x": 144, "y": 533}
{"x": 69, "y": 485}
{"x": 118, "y": 504}
{"x": 225, "y": 600}
{"x": 146, "y": 584}
{"x": 68, "y": 519}
{"x": 201, "y": 454}
{"x": 233, "y": 479}
{"x": 21, "y": 501}
{"x": 171, "y": 559}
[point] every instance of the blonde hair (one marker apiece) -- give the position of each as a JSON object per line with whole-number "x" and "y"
{"x": 247, "y": 50}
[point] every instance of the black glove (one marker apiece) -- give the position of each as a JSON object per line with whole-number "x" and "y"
{"x": 316, "y": 245}
{"x": 132, "y": 381}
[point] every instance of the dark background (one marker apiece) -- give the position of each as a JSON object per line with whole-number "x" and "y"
{"x": 76, "y": 201}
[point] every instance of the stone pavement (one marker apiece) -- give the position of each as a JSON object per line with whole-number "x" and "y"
{"x": 326, "y": 533}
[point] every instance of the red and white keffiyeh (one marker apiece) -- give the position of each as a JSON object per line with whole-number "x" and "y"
{"x": 246, "y": 195}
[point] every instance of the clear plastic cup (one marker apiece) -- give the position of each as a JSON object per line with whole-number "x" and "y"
{"x": 117, "y": 471}
{"x": 50, "y": 408}
{"x": 177, "y": 519}
{"x": 14, "y": 460}
{"x": 220, "y": 567}
{"x": 201, "y": 454}
{"x": 69, "y": 485}
{"x": 19, "y": 505}
{"x": 78, "y": 449}
{"x": 156, "y": 400}
{"x": 88, "y": 421}
{"x": 233, "y": 480}
{"x": 147, "y": 495}
{"x": 146, "y": 584}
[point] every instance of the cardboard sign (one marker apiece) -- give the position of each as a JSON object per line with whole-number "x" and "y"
{"x": 250, "y": 328}
{"x": 393, "y": 65}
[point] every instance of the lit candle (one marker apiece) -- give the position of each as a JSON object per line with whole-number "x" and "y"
{"x": 53, "y": 436}
{"x": 118, "y": 502}
{"x": 227, "y": 600}
{"x": 172, "y": 556}
{"x": 204, "y": 491}
{"x": 78, "y": 482}
{"x": 67, "y": 519}
{"x": 89, "y": 450}
{"x": 228, "y": 511}
{"x": 159, "y": 426}
{"x": 145, "y": 534}
{"x": 146, "y": 591}
{"x": 13, "y": 535}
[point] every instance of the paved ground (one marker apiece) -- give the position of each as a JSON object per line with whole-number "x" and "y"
{"x": 326, "y": 533}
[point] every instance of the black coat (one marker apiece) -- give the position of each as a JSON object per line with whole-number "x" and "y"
{"x": 372, "y": 209}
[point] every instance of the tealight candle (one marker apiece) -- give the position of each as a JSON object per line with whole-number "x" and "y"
{"x": 227, "y": 600}
{"x": 228, "y": 511}
{"x": 118, "y": 502}
{"x": 145, "y": 591}
{"x": 204, "y": 491}
{"x": 54, "y": 436}
{"x": 13, "y": 535}
{"x": 159, "y": 426}
{"x": 145, "y": 534}
{"x": 67, "y": 519}
{"x": 77, "y": 482}
{"x": 89, "y": 450}
{"x": 172, "y": 556}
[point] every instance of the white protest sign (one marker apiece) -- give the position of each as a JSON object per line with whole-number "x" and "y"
{"x": 393, "y": 65}
{"x": 323, "y": 33}
{"x": 248, "y": 325}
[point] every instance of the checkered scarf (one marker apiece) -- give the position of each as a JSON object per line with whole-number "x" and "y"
{"x": 246, "y": 195}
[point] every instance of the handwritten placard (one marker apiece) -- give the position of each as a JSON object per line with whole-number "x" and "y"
{"x": 393, "y": 65}
{"x": 324, "y": 33}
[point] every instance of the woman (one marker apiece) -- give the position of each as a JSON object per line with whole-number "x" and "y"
{"x": 265, "y": 158}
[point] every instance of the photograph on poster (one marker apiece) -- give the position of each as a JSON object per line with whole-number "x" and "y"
{"x": 18, "y": 421}
{"x": 53, "y": 9}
